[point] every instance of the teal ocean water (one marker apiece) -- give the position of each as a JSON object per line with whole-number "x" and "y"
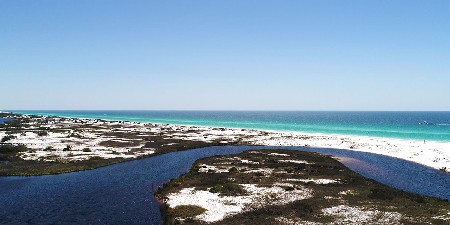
{"x": 405, "y": 125}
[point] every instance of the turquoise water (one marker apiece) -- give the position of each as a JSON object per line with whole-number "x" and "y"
{"x": 405, "y": 125}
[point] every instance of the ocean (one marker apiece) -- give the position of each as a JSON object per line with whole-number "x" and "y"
{"x": 404, "y": 125}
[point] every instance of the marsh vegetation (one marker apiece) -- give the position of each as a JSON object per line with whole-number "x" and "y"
{"x": 291, "y": 187}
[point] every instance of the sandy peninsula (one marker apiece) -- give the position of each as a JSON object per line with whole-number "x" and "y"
{"x": 289, "y": 187}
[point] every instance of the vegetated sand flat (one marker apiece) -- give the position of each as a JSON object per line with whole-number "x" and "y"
{"x": 73, "y": 141}
{"x": 34, "y": 145}
{"x": 263, "y": 187}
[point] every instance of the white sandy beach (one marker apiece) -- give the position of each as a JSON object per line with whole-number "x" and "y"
{"x": 430, "y": 153}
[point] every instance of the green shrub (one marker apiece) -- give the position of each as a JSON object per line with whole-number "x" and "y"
{"x": 42, "y": 133}
{"x": 12, "y": 148}
{"x": 187, "y": 211}
{"x": 49, "y": 148}
{"x": 259, "y": 174}
{"x": 233, "y": 170}
{"x": 418, "y": 198}
{"x": 288, "y": 188}
{"x": 201, "y": 188}
{"x": 228, "y": 189}
{"x": 303, "y": 208}
{"x": 7, "y": 138}
{"x": 96, "y": 158}
{"x": 382, "y": 194}
{"x": 439, "y": 222}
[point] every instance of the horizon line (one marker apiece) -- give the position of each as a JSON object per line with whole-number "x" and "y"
{"x": 227, "y": 110}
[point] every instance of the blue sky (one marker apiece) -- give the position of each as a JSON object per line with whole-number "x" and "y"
{"x": 225, "y": 54}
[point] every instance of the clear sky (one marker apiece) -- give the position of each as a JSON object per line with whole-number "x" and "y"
{"x": 225, "y": 54}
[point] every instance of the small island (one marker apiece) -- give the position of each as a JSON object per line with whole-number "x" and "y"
{"x": 289, "y": 187}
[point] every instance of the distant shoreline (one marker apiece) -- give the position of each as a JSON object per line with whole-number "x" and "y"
{"x": 430, "y": 153}
{"x": 419, "y": 128}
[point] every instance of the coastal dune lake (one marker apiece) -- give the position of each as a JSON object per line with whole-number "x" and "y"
{"x": 123, "y": 193}
{"x": 4, "y": 120}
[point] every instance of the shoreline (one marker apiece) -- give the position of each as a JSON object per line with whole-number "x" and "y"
{"x": 433, "y": 154}
{"x": 234, "y": 127}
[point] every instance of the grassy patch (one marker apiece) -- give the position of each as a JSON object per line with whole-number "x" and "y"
{"x": 187, "y": 211}
{"x": 7, "y": 138}
{"x": 12, "y": 149}
{"x": 118, "y": 144}
{"x": 228, "y": 189}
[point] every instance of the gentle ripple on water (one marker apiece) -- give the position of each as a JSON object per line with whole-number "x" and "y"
{"x": 122, "y": 193}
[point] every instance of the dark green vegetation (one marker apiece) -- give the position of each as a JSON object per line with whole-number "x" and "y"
{"x": 362, "y": 200}
{"x": 187, "y": 211}
{"x": 227, "y": 189}
{"x": 12, "y": 165}
{"x": 11, "y": 162}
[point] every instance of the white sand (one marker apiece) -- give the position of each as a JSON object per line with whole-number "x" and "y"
{"x": 432, "y": 153}
{"x": 295, "y": 221}
{"x": 248, "y": 161}
{"x": 218, "y": 207}
{"x": 316, "y": 181}
{"x": 213, "y": 169}
{"x": 278, "y": 154}
{"x": 295, "y": 161}
{"x": 265, "y": 171}
{"x": 355, "y": 215}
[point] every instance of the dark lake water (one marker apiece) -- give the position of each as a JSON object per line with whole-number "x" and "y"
{"x": 4, "y": 120}
{"x": 122, "y": 193}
